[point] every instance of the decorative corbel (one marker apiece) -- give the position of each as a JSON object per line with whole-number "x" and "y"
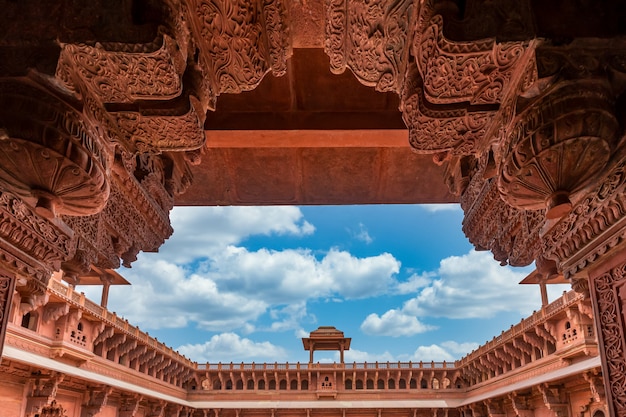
{"x": 97, "y": 398}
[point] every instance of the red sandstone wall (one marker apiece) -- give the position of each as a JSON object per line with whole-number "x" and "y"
{"x": 11, "y": 395}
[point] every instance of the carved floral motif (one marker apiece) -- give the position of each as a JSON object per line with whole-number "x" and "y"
{"x": 369, "y": 37}
{"x": 242, "y": 41}
{"x": 477, "y": 72}
{"x": 120, "y": 76}
{"x": 610, "y": 292}
{"x": 433, "y": 129}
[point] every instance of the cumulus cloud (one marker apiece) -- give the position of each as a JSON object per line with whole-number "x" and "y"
{"x": 414, "y": 282}
{"x": 234, "y": 287}
{"x": 230, "y": 347}
{"x": 447, "y": 351}
{"x": 394, "y": 323}
{"x": 199, "y": 231}
{"x": 470, "y": 286}
{"x": 473, "y": 286}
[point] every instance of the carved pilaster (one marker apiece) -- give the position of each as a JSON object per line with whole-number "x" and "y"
{"x": 608, "y": 294}
{"x": 7, "y": 287}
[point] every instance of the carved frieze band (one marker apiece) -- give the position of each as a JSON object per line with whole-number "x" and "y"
{"x": 432, "y": 129}
{"x": 609, "y": 293}
{"x": 174, "y": 130}
{"x": 35, "y": 236}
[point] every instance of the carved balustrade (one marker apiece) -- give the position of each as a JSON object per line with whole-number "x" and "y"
{"x": 79, "y": 330}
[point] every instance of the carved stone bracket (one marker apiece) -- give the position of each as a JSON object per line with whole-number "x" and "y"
{"x": 97, "y": 399}
{"x": 454, "y": 129}
{"x": 370, "y": 38}
{"x": 118, "y": 75}
{"x": 240, "y": 41}
{"x": 477, "y": 72}
{"x": 43, "y": 393}
{"x": 129, "y": 405}
{"x": 553, "y": 399}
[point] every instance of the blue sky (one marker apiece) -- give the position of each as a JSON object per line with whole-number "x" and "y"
{"x": 245, "y": 284}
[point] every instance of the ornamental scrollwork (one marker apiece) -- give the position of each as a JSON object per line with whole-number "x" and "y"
{"x": 477, "y": 72}
{"x": 241, "y": 41}
{"x": 371, "y": 39}
{"x": 120, "y": 76}
{"x": 610, "y": 292}
{"x": 454, "y": 129}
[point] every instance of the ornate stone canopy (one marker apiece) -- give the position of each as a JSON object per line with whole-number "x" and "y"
{"x": 112, "y": 112}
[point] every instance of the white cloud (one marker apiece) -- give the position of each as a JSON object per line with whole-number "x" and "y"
{"x": 473, "y": 286}
{"x": 432, "y": 353}
{"x": 434, "y": 208}
{"x": 235, "y": 287}
{"x": 469, "y": 286}
{"x": 363, "y": 235}
{"x": 230, "y": 347}
{"x": 199, "y": 231}
{"x": 393, "y": 323}
{"x": 414, "y": 282}
{"x": 447, "y": 351}
{"x": 165, "y": 295}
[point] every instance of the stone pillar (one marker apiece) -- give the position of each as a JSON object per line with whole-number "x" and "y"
{"x": 607, "y": 283}
{"x": 7, "y": 287}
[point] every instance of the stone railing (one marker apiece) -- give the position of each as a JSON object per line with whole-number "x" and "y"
{"x": 113, "y": 328}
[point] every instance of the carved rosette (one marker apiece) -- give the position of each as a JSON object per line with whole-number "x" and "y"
{"x": 370, "y": 38}
{"x": 240, "y": 41}
{"x": 558, "y": 146}
{"x": 476, "y": 72}
{"x": 49, "y": 154}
